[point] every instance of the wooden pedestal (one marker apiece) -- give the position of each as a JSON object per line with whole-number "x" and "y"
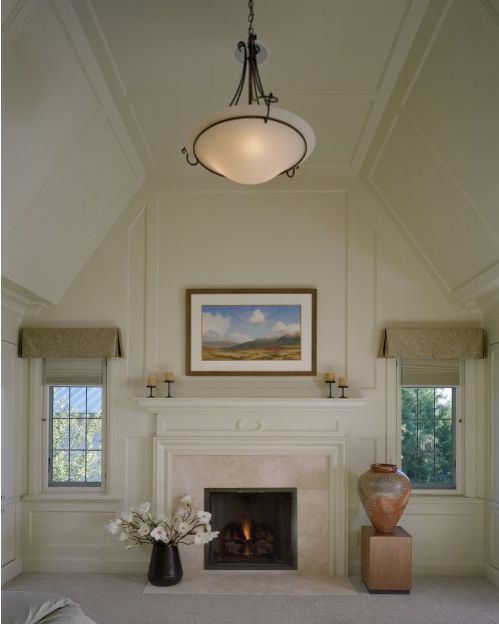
{"x": 386, "y": 560}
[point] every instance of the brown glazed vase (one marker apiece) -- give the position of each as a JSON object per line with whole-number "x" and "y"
{"x": 384, "y": 492}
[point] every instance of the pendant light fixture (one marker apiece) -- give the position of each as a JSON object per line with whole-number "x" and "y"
{"x": 254, "y": 142}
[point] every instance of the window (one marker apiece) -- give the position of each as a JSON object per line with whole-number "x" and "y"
{"x": 428, "y": 436}
{"x": 428, "y": 423}
{"x": 75, "y": 435}
{"x": 75, "y": 423}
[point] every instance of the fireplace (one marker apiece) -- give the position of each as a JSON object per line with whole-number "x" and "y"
{"x": 257, "y": 528}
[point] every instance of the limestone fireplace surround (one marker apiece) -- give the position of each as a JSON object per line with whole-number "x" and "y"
{"x": 250, "y": 442}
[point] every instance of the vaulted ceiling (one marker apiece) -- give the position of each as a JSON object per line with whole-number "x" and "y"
{"x": 334, "y": 63}
{"x": 99, "y": 94}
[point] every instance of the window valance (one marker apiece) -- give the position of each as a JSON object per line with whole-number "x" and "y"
{"x": 70, "y": 342}
{"x": 444, "y": 343}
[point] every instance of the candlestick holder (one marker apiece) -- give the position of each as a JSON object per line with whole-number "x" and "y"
{"x": 342, "y": 392}
{"x": 330, "y": 388}
{"x": 169, "y": 382}
{"x": 150, "y": 391}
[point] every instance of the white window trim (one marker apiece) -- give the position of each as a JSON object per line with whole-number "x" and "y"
{"x": 38, "y": 487}
{"x": 469, "y": 425}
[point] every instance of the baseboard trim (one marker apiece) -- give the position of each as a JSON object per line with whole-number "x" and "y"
{"x": 103, "y": 566}
{"x": 492, "y": 574}
{"x": 11, "y": 570}
{"x": 436, "y": 569}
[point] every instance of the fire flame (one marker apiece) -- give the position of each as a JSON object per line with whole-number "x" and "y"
{"x": 247, "y": 529}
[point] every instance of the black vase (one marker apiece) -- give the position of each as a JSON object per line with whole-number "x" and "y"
{"x": 165, "y": 567}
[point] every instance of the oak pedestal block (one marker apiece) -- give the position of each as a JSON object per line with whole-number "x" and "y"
{"x": 386, "y": 561}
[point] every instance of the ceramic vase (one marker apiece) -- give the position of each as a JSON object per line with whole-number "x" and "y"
{"x": 165, "y": 567}
{"x": 384, "y": 492}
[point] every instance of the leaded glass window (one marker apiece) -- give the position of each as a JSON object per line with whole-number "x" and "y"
{"x": 75, "y": 435}
{"x": 429, "y": 437}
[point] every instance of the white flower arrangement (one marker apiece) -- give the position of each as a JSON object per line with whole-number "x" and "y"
{"x": 140, "y": 526}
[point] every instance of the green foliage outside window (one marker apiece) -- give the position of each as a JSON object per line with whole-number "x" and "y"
{"x": 428, "y": 437}
{"x": 75, "y": 436}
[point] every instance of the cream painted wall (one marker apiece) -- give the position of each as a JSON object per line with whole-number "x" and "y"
{"x": 492, "y": 447}
{"x": 330, "y": 234}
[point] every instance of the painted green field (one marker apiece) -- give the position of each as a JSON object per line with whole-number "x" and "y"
{"x": 284, "y": 352}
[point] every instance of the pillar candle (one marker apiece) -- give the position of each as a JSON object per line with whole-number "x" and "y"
{"x": 343, "y": 381}
{"x": 169, "y": 376}
{"x": 329, "y": 377}
{"x": 151, "y": 380}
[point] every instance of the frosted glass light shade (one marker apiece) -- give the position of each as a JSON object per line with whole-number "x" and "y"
{"x": 237, "y": 142}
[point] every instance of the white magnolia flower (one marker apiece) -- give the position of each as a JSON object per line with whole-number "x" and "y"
{"x": 134, "y": 527}
{"x": 159, "y": 534}
{"x": 205, "y": 537}
{"x": 143, "y": 529}
{"x": 200, "y": 539}
{"x": 113, "y": 527}
{"x": 180, "y": 512}
{"x": 182, "y": 527}
{"x": 204, "y": 516}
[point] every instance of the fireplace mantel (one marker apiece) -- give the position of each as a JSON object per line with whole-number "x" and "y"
{"x": 248, "y": 430}
{"x": 318, "y": 405}
{"x": 235, "y": 416}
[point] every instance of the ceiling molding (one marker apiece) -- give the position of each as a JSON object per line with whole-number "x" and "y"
{"x": 20, "y": 301}
{"x": 480, "y": 286}
{"x": 13, "y": 13}
{"x": 408, "y": 28}
{"x": 410, "y": 240}
{"x": 92, "y": 70}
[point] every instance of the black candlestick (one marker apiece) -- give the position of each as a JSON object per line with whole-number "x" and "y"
{"x": 330, "y": 388}
{"x": 343, "y": 392}
{"x": 169, "y": 382}
{"x": 150, "y": 391}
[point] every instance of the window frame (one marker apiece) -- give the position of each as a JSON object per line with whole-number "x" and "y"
{"x": 46, "y": 432}
{"x": 435, "y": 490}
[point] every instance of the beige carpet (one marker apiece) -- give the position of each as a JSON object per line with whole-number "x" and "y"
{"x": 258, "y": 584}
{"x": 120, "y": 599}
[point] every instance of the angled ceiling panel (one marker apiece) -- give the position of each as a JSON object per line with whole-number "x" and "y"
{"x": 435, "y": 162}
{"x": 69, "y": 167}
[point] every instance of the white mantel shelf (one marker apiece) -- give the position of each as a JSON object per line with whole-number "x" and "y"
{"x": 310, "y": 405}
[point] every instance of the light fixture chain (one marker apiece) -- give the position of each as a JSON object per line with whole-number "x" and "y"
{"x": 251, "y": 17}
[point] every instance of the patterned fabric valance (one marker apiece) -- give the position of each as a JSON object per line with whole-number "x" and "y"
{"x": 70, "y": 342}
{"x": 446, "y": 343}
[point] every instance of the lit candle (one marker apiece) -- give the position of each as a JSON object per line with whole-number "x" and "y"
{"x": 151, "y": 380}
{"x": 169, "y": 376}
{"x": 343, "y": 381}
{"x": 329, "y": 377}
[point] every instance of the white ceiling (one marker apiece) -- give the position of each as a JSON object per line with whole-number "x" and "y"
{"x": 334, "y": 63}
{"x": 99, "y": 93}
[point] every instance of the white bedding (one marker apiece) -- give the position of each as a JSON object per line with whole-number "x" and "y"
{"x": 26, "y": 607}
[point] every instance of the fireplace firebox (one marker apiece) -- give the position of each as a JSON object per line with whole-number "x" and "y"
{"x": 257, "y": 529}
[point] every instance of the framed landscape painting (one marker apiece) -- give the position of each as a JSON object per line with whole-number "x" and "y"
{"x": 251, "y": 331}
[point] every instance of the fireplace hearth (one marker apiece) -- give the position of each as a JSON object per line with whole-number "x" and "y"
{"x": 257, "y": 528}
